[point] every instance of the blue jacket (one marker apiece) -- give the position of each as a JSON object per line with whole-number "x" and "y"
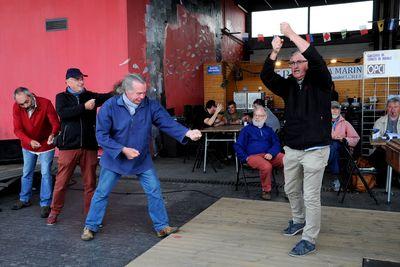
{"x": 116, "y": 129}
{"x": 253, "y": 140}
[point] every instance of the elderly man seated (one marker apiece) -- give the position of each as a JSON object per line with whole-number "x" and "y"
{"x": 341, "y": 129}
{"x": 389, "y": 123}
{"x": 259, "y": 146}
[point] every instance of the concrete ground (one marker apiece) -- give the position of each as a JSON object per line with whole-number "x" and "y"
{"x": 26, "y": 240}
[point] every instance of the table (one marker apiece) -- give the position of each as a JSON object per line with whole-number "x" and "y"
{"x": 392, "y": 149}
{"x": 220, "y": 129}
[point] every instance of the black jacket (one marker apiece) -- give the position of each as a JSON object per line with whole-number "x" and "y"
{"x": 78, "y": 125}
{"x": 307, "y": 110}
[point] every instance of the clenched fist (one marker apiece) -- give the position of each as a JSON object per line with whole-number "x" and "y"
{"x": 90, "y": 104}
{"x": 193, "y": 134}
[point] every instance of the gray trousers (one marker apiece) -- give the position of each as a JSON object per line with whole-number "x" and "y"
{"x": 303, "y": 179}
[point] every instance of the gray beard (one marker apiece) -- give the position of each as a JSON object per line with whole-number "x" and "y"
{"x": 258, "y": 124}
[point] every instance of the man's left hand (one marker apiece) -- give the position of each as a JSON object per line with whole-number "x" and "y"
{"x": 193, "y": 134}
{"x": 268, "y": 156}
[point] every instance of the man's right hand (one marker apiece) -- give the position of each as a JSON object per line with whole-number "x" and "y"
{"x": 276, "y": 43}
{"x": 35, "y": 144}
{"x": 130, "y": 153}
{"x": 90, "y": 104}
{"x": 219, "y": 108}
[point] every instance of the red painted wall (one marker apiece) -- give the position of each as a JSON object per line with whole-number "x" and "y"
{"x": 190, "y": 43}
{"x": 234, "y": 21}
{"x": 96, "y": 42}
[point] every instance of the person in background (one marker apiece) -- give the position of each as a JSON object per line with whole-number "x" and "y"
{"x": 233, "y": 116}
{"x": 211, "y": 117}
{"x": 389, "y": 123}
{"x": 341, "y": 129}
{"x": 259, "y": 147}
{"x": 35, "y": 124}
{"x": 272, "y": 120}
{"x": 307, "y": 95}
{"x": 77, "y": 109}
{"x": 124, "y": 126}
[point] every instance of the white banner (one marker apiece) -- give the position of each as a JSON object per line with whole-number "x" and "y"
{"x": 381, "y": 64}
{"x": 339, "y": 73}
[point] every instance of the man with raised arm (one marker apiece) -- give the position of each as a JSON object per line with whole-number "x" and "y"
{"x": 307, "y": 133}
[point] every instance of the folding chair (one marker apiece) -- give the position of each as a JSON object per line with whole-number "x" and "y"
{"x": 247, "y": 172}
{"x": 352, "y": 169}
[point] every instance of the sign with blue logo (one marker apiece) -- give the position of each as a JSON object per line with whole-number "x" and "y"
{"x": 214, "y": 70}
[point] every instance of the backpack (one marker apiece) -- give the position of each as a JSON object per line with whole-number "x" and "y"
{"x": 369, "y": 178}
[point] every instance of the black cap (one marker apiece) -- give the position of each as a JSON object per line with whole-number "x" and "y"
{"x": 74, "y": 73}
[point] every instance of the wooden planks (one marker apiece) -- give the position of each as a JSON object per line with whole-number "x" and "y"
{"x": 235, "y": 232}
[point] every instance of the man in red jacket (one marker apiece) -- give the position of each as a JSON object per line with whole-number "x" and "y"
{"x": 35, "y": 124}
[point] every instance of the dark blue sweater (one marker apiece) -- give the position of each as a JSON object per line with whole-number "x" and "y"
{"x": 253, "y": 140}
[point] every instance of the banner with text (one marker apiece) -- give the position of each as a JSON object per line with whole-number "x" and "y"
{"x": 339, "y": 73}
{"x": 381, "y": 64}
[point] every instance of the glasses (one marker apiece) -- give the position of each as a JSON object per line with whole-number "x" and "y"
{"x": 259, "y": 116}
{"x": 294, "y": 63}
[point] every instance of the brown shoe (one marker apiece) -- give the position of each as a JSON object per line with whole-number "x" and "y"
{"x": 21, "y": 204}
{"x": 266, "y": 195}
{"x": 52, "y": 219}
{"x": 167, "y": 231}
{"x": 87, "y": 234}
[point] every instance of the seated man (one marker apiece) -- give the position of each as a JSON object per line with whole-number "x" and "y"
{"x": 259, "y": 146}
{"x": 341, "y": 129}
{"x": 212, "y": 118}
{"x": 272, "y": 120}
{"x": 233, "y": 116}
{"x": 389, "y": 123}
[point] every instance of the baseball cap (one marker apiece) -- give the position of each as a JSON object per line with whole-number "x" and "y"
{"x": 74, "y": 73}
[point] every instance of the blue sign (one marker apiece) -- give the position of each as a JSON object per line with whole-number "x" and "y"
{"x": 214, "y": 69}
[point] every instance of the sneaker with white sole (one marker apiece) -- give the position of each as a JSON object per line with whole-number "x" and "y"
{"x": 302, "y": 248}
{"x": 293, "y": 228}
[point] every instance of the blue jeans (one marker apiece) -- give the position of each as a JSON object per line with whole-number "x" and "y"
{"x": 150, "y": 185}
{"x": 46, "y": 159}
{"x": 334, "y": 156}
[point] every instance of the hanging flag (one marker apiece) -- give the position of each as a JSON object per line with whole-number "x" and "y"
{"x": 260, "y": 37}
{"x": 381, "y": 24}
{"x": 309, "y": 38}
{"x": 363, "y": 30}
{"x": 391, "y": 25}
{"x": 327, "y": 36}
{"x": 344, "y": 33}
{"x": 245, "y": 36}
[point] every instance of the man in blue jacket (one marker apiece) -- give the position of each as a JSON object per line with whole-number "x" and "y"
{"x": 124, "y": 131}
{"x": 259, "y": 147}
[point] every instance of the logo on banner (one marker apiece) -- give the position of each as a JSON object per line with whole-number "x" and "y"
{"x": 376, "y": 69}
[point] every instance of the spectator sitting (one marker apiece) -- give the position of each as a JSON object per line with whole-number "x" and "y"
{"x": 389, "y": 123}
{"x": 341, "y": 129}
{"x": 212, "y": 118}
{"x": 233, "y": 116}
{"x": 272, "y": 120}
{"x": 259, "y": 146}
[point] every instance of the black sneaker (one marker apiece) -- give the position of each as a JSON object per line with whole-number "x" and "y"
{"x": 44, "y": 211}
{"x": 21, "y": 204}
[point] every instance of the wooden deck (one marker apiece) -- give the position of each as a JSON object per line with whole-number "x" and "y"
{"x": 235, "y": 232}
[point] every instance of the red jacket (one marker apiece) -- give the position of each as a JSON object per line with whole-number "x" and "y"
{"x": 43, "y": 122}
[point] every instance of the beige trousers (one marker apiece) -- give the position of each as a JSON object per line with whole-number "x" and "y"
{"x": 303, "y": 179}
